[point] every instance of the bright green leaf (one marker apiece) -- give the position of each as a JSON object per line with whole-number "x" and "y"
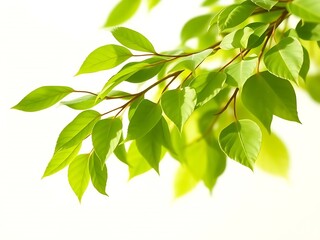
{"x": 145, "y": 117}
{"x": 184, "y": 182}
{"x": 285, "y": 59}
{"x": 178, "y": 104}
{"x": 195, "y": 27}
{"x": 153, "y": 3}
{"x": 78, "y": 129}
{"x": 209, "y": 2}
{"x": 78, "y": 174}
{"x": 104, "y": 58}
{"x": 266, "y": 95}
{"x": 106, "y": 135}
{"x": 241, "y": 141}
{"x": 42, "y": 98}
{"x": 61, "y": 159}
{"x": 265, "y": 4}
{"x": 313, "y": 87}
{"x": 308, "y": 31}
{"x": 122, "y": 12}
{"x": 133, "y": 39}
{"x": 306, "y": 65}
{"x": 308, "y": 10}
{"x": 82, "y": 103}
{"x": 98, "y": 174}
{"x": 121, "y": 153}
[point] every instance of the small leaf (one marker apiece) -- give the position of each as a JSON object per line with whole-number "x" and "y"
{"x": 78, "y": 174}
{"x": 195, "y": 27}
{"x": 313, "y": 87}
{"x": 122, "y": 12}
{"x": 106, "y": 135}
{"x": 146, "y": 116}
{"x": 178, "y": 104}
{"x": 133, "y": 39}
{"x": 98, "y": 174}
{"x": 209, "y": 2}
{"x": 306, "y": 65}
{"x": 104, "y": 58}
{"x": 241, "y": 141}
{"x": 153, "y": 3}
{"x": 308, "y": 31}
{"x": 266, "y": 95}
{"x": 78, "y": 129}
{"x": 82, "y": 103}
{"x": 42, "y": 98}
{"x": 307, "y": 10}
{"x": 285, "y": 59}
{"x": 121, "y": 153}
{"x": 61, "y": 159}
{"x": 265, "y": 4}
{"x": 184, "y": 182}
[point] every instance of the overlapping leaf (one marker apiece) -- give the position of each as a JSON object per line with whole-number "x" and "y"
{"x": 98, "y": 174}
{"x": 82, "y": 103}
{"x": 308, "y": 10}
{"x": 266, "y": 4}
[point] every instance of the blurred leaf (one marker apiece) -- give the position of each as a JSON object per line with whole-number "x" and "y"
{"x": 266, "y": 4}
{"x": 184, "y": 182}
{"x": 313, "y": 87}
{"x": 98, "y": 174}
{"x": 195, "y": 27}
{"x": 308, "y": 31}
{"x": 308, "y": 10}
{"x": 153, "y": 3}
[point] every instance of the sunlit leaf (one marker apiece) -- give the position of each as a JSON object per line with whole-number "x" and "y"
{"x": 266, "y": 4}
{"x": 106, "y": 135}
{"x": 78, "y": 129}
{"x": 42, "y": 98}
{"x": 313, "y": 87}
{"x": 285, "y": 59}
{"x": 184, "y": 182}
{"x": 133, "y": 39}
{"x": 104, "y": 58}
{"x": 82, "y": 103}
{"x": 121, "y": 153}
{"x": 153, "y": 3}
{"x": 98, "y": 174}
{"x": 305, "y": 65}
{"x": 78, "y": 175}
{"x": 195, "y": 27}
{"x": 241, "y": 141}
{"x": 308, "y": 10}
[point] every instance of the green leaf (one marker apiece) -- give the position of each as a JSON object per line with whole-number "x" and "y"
{"x": 153, "y": 3}
{"x": 306, "y": 65}
{"x": 209, "y": 2}
{"x": 265, "y": 95}
{"x": 98, "y": 174}
{"x": 122, "y": 12}
{"x": 241, "y": 141}
{"x": 265, "y": 4}
{"x": 178, "y": 104}
{"x": 184, "y": 182}
{"x": 136, "y": 162}
{"x": 78, "y": 174}
{"x": 239, "y": 72}
{"x": 162, "y": 135}
{"x": 233, "y": 15}
{"x": 308, "y": 31}
{"x": 61, "y": 159}
{"x": 195, "y": 27}
{"x": 134, "y": 105}
{"x": 307, "y": 10}
{"x": 104, "y": 58}
{"x": 208, "y": 86}
{"x": 313, "y": 87}
{"x": 121, "y": 153}
{"x": 133, "y": 39}
{"x": 78, "y": 129}
{"x": 145, "y": 117}
{"x": 42, "y": 98}
{"x": 106, "y": 135}
{"x": 285, "y": 59}
{"x": 82, "y": 103}
{"x": 274, "y": 156}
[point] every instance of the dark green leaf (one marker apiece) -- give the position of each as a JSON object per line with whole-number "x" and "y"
{"x": 285, "y": 59}
{"x": 82, "y": 103}
{"x": 42, "y": 98}
{"x": 106, "y": 135}
{"x": 145, "y": 117}
{"x": 308, "y": 31}
{"x": 98, "y": 174}
{"x": 308, "y": 10}
{"x": 122, "y": 12}
{"x": 78, "y": 129}
{"x": 178, "y": 105}
{"x": 78, "y": 174}
{"x": 104, "y": 58}
{"x": 266, "y": 95}
{"x": 241, "y": 141}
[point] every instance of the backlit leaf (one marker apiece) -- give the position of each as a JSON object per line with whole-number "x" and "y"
{"x": 145, "y": 117}
{"x": 104, "y": 58}
{"x": 98, "y": 174}
{"x": 266, "y": 4}
{"x": 313, "y": 87}
{"x": 241, "y": 141}
{"x": 78, "y": 175}
{"x": 266, "y": 95}
{"x": 308, "y": 10}
{"x": 195, "y": 27}
{"x": 308, "y": 31}
{"x": 153, "y": 3}
{"x": 121, "y": 153}
{"x": 184, "y": 182}
{"x": 82, "y": 103}
{"x": 42, "y": 98}
{"x": 106, "y": 135}
{"x": 178, "y": 104}
{"x": 285, "y": 59}
{"x": 77, "y": 130}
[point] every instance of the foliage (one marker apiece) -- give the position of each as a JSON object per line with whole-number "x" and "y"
{"x": 184, "y": 105}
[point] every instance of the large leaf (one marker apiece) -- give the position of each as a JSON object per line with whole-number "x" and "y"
{"x": 98, "y": 174}
{"x": 78, "y": 175}
{"x": 178, "y": 104}
{"x": 106, "y": 135}
{"x": 308, "y": 31}
{"x": 308, "y": 10}
{"x": 104, "y": 58}
{"x": 241, "y": 141}
{"x": 82, "y": 103}
{"x": 42, "y": 98}
{"x": 78, "y": 129}
{"x": 123, "y": 11}
{"x": 145, "y": 117}
{"x": 285, "y": 59}
{"x": 133, "y": 39}
{"x": 266, "y": 95}
{"x": 61, "y": 159}
{"x": 266, "y": 4}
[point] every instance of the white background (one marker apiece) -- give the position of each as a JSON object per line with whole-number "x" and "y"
{"x": 44, "y": 43}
